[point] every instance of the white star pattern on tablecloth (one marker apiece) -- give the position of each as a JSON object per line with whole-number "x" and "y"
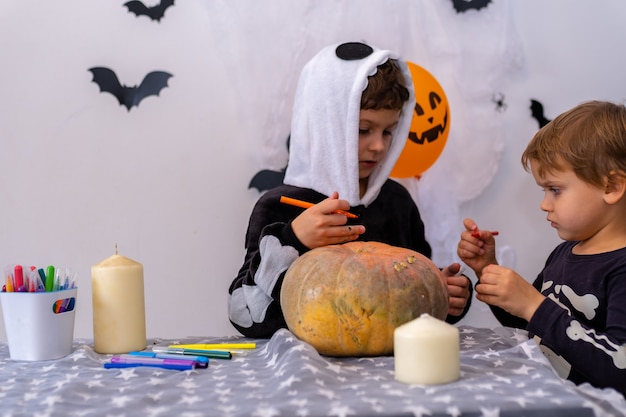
{"x": 51, "y": 400}
{"x": 340, "y": 410}
{"x": 288, "y": 382}
{"x": 188, "y": 384}
{"x": 266, "y": 412}
{"x": 157, "y": 411}
{"x": 187, "y": 399}
{"x": 126, "y": 374}
{"x": 121, "y": 400}
{"x": 286, "y": 377}
{"x": 418, "y": 411}
{"x": 490, "y": 412}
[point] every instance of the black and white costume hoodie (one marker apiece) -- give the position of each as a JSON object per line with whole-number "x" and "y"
{"x": 323, "y": 158}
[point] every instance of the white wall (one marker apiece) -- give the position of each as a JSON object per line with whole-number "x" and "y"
{"x": 167, "y": 181}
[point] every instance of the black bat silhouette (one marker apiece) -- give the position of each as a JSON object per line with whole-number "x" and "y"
{"x": 267, "y": 179}
{"x": 536, "y": 111}
{"x": 151, "y": 85}
{"x": 464, "y": 5}
{"x": 154, "y": 12}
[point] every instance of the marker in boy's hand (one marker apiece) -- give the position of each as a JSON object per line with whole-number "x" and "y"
{"x": 476, "y": 233}
{"x": 477, "y": 248}
{"x": 314, "y": 227}
{"x": 306, "y": 204}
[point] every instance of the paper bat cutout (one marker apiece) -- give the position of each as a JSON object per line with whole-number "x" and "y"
{"x": 536, "y": 111}
{"x": 267, "y": 179}
{"x": 464, "y": 5}
{"x": 154, "y": 12}
{"x": 108, "y": 82}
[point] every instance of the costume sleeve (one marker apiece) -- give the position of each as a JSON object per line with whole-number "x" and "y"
{"x": 455, "y": 319}
{"x": 596, "y": 355}
{"x": 509, "y": 320}
{"x": 254, "y": 295}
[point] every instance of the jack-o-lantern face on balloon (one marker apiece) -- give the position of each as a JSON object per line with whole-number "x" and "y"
{"x": 429, "y": 127}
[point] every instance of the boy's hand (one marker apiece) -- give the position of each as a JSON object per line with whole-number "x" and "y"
{"x": 458, "y": 289}
{"x": 319, "y": 226}
{"x": 504, "y": 288}
{"x": 477, "y": 249}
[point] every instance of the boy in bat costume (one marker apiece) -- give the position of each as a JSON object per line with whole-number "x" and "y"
{"x": 351, "y": 117}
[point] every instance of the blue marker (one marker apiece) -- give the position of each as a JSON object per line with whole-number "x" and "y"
{"x": 113, "y": 365}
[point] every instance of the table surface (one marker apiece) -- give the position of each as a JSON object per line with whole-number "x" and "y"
{"x": 503, "y": 373}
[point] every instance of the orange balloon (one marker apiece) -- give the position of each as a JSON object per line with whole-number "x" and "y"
{"x": 429, "y": 127}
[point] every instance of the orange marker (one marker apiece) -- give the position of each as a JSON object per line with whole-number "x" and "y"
{"x": 306, "y": 204}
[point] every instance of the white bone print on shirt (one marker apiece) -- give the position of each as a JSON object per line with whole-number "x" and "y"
{"x": 585, "y": 304}
{"x": 576, "y": 331}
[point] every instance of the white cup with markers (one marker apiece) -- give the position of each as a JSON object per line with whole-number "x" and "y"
{"x": 39, "y": 306}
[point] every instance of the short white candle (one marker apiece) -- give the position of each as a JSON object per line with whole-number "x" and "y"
{"x": 426, "y": 352}
{"x": 119, "y": 318}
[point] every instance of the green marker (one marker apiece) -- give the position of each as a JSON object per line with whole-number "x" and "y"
{"x": 216, "y": 354}
{"x": 50, "y": 279}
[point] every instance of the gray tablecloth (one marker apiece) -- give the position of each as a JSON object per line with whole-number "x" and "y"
{"x": 503, "y": 374}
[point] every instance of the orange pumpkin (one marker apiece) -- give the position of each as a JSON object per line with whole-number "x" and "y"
{"x": 347, "y": 300}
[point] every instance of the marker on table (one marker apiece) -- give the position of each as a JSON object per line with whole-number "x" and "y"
{"x": 113, "y": 365}
{"x": 217, "y": 346}
{"x": 180, "y": 364}
{"x": 306, "y": 204}
{"x": 200, "y": 361}
{"x": 216, "y": 354}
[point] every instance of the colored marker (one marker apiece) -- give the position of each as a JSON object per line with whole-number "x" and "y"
{"x": 216, "y": 354}
{"x": 218, "y": 346}
{"x": 42, "y": 275}
{"x": 9, "y": 284}
{"x": 19, "y": 278}
{"x": 306, "y": 204}
{"x": 113, "y": 365}
{"x": 476, "y": 233}
{"x": 50, "y": 278}
{"x": 200, "y": 361}
{"x": 132, "y": 359}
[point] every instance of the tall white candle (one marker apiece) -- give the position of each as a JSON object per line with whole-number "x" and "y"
{"x": 426, "y": 351}
{"x": 119, "y": 318}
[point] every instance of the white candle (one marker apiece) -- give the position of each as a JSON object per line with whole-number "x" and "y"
{"x": 119, "y": 318}
{"x": 426, "y": 351}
